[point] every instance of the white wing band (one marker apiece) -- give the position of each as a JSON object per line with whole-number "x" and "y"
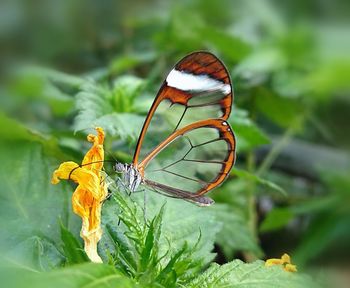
{"x": 187, "y": 82}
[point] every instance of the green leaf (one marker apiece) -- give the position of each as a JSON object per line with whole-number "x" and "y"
{"x": 239, "y": 274}
{"x": 326, "y": 230}
{"x": 121, "y": 253}
{"x": 232, "y": 47}
{"x": 176, "y": 228}
{"x": 53, "y": 75}
{"x": 73, "y": 250}
{"x": 99, "y": 106}
{"x": 247, "y": 133}
{"x": 329, "y": 78}
{"x": 126, "y": 62}
{"x": 166, "y": 254}
{"x": 12, "y": 130}
{"x": 35, "y": 89}
{"x": 252, "y": 177}
{"x": 168, "y": 271}
{"x": 83, "y": 275}
{"x": 124, "y": 92}
{"x": 124, "y": 125}
{"x": 234, "y": 219}
{"x": 280, "y": 110}
{"x": 329, "y": 224}
{"x": 259, "y": 64}
{"x": 31, "y": 207}
{"x": 276, "y": 219}
{"x": 149, "y": 251}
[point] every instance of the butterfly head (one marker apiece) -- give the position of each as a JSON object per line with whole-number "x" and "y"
{"x": 120, "y": 167}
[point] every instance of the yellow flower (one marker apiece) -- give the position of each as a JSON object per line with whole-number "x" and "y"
{"x": 88, "y": 197}
{"x": 284, "y": 261}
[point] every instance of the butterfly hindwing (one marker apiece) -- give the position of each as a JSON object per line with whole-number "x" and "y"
{"x": 193, "y": 160}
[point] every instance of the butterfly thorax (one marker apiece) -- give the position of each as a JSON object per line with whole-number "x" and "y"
{"x": 131, "y": 177}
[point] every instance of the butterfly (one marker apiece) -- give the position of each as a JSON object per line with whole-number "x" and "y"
{"x": 186, "y": 147}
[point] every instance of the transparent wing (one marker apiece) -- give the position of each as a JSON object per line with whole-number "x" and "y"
{"x": 191, "y": 161}
{"x": 197, "y": 88}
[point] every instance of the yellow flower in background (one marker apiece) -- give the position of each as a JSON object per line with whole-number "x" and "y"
{"x": 88, "y": 197}
{"x": 284, "y": 261}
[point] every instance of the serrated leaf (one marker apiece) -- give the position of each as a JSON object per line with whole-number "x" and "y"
{"x": 99, "y": 106}
{"x": 177, "y": 229}
{"x": 168, "y": 275}
{"x": 177, "y": 233}
{"x": 124, "y": 91}
{"x": 150, "y": 251}
{"x": 124, "y": 125}
{"x": 252, "y": 275}
{"x": 119, "y": 248}
{"x": 230, "y": 241}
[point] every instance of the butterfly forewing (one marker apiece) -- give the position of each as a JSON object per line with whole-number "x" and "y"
{"x": 186, "y": 147}
{"x": 197, "y": 88}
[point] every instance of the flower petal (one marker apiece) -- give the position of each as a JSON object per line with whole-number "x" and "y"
{"x": 88, "y": 197}
{"x": 273, "y": 261}
{"x": 285, "y": 261}
{"x": 95, "y": 155}
{"x": 290, "y": 268}
{"x": 64, "y": 171}
{"x": 285, "y": 258}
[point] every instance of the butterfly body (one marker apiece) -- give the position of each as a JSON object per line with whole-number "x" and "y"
{"x": 186, "y": 147}
{"x": 131, "y": 177}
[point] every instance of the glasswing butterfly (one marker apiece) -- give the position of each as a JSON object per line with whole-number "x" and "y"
{"x": 186, "y": 147}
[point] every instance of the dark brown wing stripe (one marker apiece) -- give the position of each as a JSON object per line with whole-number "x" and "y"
{"x": 178, "y": 193}
{"x": 200, "y": 63}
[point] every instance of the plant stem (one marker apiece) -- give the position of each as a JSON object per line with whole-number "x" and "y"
{"x": 251, "y": 185}
{"x": 278, "y": 146}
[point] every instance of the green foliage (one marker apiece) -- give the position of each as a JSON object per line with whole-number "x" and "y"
{"x": 73, "y": 250}
{"x": 25, "y": 238}
{"x": 82, "y": 275}
{"x": 290, "y": 72}
{"x": 146, "y": 250}
{"x": 146, "y": 264}
{"x": 228, "y": 238}
{"x": 276, "y": 219}
{"x": 239, "y": 274}
{"x": 110, "y": 108}
{"x": 256, "y": 179}
{"x": 248, "y": 134}
{"x": 280, "y": 110}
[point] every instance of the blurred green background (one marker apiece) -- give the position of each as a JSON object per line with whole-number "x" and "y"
{"x": 69, "y": 65}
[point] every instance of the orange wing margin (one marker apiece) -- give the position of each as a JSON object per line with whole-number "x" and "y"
{"x": 225, "y": 134}
{"x": 197, "y": 66}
